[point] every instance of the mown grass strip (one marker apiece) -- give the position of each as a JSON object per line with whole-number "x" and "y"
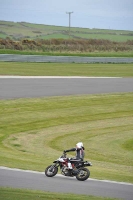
{"x": 66, "y": 69}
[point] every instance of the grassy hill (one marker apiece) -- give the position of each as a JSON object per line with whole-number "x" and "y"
{"x": 21, "y": 30}
{"x": 27, "y": 38}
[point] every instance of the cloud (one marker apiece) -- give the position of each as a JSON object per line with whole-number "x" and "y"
{"x": 87, "y": 13}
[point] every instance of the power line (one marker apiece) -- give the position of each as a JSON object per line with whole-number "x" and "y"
{"x": 69, "y": 21}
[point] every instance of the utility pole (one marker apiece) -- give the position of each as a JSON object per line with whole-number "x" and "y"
{"x": 69, "y": 21}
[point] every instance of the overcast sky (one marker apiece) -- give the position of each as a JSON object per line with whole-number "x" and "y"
{"x": 104, "y": 14}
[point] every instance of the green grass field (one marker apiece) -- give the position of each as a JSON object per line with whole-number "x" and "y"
{"x": 66, "y": 69}
{"x": 34, "y": 132}
{"x": 15, "y": 194}
{"x": 28, "y": 30}
{"x": 105, "y": 36}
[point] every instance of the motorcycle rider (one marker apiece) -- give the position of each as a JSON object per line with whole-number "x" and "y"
{"x": 79, "y": 155}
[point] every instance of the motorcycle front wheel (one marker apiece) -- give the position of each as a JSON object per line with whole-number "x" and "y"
{"x": 51, "y": 171}
{"x": 83, "y": 174}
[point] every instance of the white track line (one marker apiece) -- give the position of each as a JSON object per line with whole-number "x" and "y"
{"x": 67, "y": 77}
{"x": 59, "y": 175}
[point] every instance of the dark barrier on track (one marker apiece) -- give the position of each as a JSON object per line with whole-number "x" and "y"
{"x": 63, "y": 59}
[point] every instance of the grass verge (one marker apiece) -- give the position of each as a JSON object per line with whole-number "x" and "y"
{"x": 82, "y": 54}
{"x": 66, "y": 69}
{"x": 12, "y": 194}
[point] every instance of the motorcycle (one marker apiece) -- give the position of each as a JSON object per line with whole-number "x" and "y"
{"x": 79, "y": 168}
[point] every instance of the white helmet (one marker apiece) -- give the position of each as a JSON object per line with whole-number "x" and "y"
{"x": 79, "y": 144}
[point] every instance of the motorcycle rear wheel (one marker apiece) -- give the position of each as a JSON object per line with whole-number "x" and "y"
{"x": 50, "y": 172}
{"x": 83, "y": 174}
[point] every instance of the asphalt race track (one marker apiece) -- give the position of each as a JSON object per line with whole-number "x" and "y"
{"x": 11, "y": 88}
{"x": 23, "y": 87}
{"x": 38, "y": 181}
